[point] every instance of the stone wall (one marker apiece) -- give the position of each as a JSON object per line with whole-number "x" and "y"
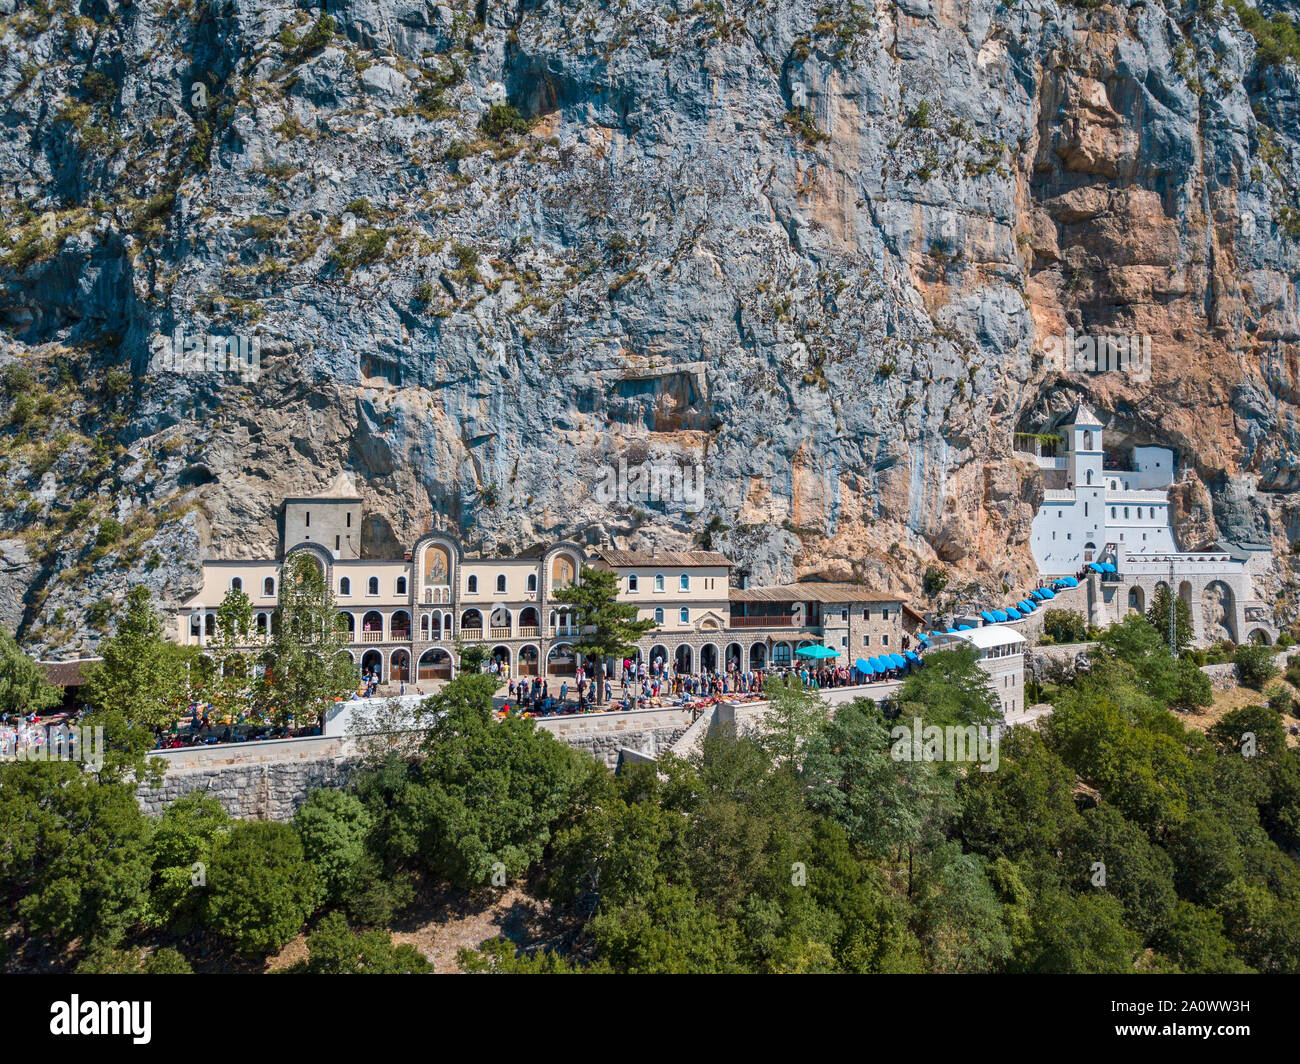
{"x": 270, "y": 780}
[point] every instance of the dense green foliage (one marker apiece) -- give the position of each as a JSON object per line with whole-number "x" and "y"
{"x": 1111, "y": 839}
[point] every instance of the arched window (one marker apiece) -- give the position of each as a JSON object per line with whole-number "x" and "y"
{"x": 685, "y": 615}
{"x": 372, "y": 586}
{"x": 472, "y": 585}
{"x": 236, "y": 584}
{"x": 684, "y": 582}
{"x": 659, "y": 615}
{"x": 268, "y": 587}
{"x": 345, "y": 586}
{"x": 1089, "y": 476}
{"x": 659, "y": 581}
{"x": 631, "y": 583}
{"x": 1087, "y": 440}
{"x": 401, "y": 585}
{"x": 1125, "y": 513}
{"x": 532, "y": 582}
{"x": 501, "y": 583}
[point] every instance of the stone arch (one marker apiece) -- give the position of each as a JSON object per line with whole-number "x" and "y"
{"x": 733, "y": 658}
{"x": 349, "y": 624}
{"x": 1137, "y": 599}
{"x": 1218, "y": 611}
{"x": 501, "y": 654}
{"x": 1259, "y": 636}
{"x": 561, "y": 660}
{"x": 399, "y": 667}
{"x": 684, "y": 659}
{"x": 399, "y": 625}
{"x": 372, "y": 662}
{"x": 782, "y": 654}
{"x": 471, "y": 618}
{"x": 434, "y": 664}
{"x": 528, "y": 658}
{"x": 501, "y": 618}
{"x": 709, "y": 657}
{"x": 372, "y": 626}
{"x": 529, "y": 618}
{"x": 661, "y": 652}
{"x": 758, "y": 655}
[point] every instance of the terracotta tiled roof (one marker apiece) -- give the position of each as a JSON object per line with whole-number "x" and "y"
{"x": 67, "y": 673}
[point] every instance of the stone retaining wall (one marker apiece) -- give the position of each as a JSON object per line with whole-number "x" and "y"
{"x": 270, "y": 780}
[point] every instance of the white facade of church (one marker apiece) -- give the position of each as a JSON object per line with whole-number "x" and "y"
{"x": 1128, "y": 509}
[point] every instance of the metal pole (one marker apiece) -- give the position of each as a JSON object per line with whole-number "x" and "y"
{"x": 1173, "y": 615}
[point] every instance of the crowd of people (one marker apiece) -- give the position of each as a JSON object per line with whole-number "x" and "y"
{"x": 642, "y": 684}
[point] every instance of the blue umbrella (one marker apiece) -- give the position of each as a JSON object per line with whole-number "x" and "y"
{"x": 1013, "y": 614}
{"x": 897, "y": 662}
{"x": 912, "y": 656}
{"x": 863, "y": 665}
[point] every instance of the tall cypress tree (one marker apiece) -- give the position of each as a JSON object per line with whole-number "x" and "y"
{"x": 307, "y": 667}
{"x": 608, "y": 628}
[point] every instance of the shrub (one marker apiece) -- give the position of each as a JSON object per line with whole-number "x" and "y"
{"x": 1255, "y": 666}
{"x": 935, "y": 579}
{"x": 502, "y": 121}
{"x": 1063, "y": 626}
{"x": 260, "y": 887}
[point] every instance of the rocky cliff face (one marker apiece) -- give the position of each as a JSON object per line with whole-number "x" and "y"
{"x": 483, "y": 252}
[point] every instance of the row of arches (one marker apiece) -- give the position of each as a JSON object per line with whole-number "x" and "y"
{"x": 562, "y": 660}
{"x": 1218, "y": 609}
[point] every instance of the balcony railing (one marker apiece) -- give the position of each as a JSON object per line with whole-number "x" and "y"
{"x": 499, "y": 633}
{"x": 400, "y": 634}
{"x": 763, "y": 622}
{"x": 471, "y": 633}
{"x": 529, "y": 632}
{"x": 372, "y": 637}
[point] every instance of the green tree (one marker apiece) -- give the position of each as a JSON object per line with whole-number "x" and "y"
{"x": 665, "y": 932}
{"x": 1064, "y": 626}
{"x": 23, "y": 687}
{"x": 1078, "y": 934}
{"x": 884, "y": 804}
{"x": 307, "y": 666}
{"x": 794, "y": 715}
{"x": 1139, "y": 874}
{"x": 334, "y": 826}
{"x": 952, "y": 689}
{"x": 229, "y": 685}
{"x": 483, "y": 799}
{"x": 260, "y": 886}
{"x": 179, "y": 855}
{"x": 608, "y": 628}
{"x": 1255, "y": 665}
{"x": 334, "y": 949}
{"x": 74, "y": 860}
{"x": 1255, "y": 731}
{"x": 1158, "y": 617}
{"x": 142, "y": 679}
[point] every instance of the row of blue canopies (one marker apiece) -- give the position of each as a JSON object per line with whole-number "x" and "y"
{"x": 887, "y": 662}
{"x": 1101, "y": 567}
{"x": 1019, "y": 610}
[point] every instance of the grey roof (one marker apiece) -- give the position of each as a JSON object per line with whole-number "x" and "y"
{"x": 813, "y": 591}
{"x": 625, "y": 558}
